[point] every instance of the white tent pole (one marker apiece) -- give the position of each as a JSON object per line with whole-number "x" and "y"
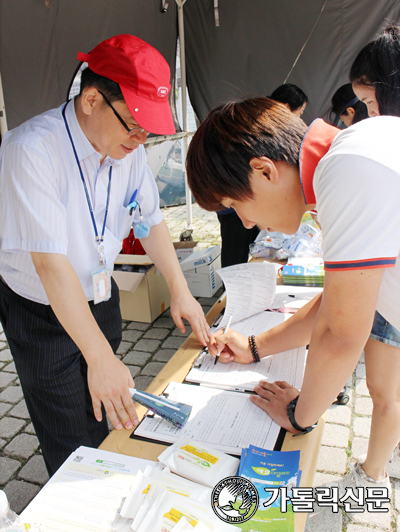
{"x": 3, "y": 119}
{"x": 185, "y": 142}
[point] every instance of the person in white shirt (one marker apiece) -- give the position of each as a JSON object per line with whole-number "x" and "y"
{"x": 258, "y": 158}
{"x": 67, "y": 179}
{"x": 375, "y": 78}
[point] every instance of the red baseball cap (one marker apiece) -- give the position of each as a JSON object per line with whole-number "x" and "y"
{"x": 143, "y": 76}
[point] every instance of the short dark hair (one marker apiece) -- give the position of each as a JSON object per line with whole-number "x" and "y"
{"x": 290, "y": 94}
{"x": 344, "y": 98}
{"x": 378, "y": 66}
{"x": 219, "y": 155}
{"x": 107, "y": 86}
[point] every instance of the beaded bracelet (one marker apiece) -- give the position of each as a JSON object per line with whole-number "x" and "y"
{"x": 253, "y": 348}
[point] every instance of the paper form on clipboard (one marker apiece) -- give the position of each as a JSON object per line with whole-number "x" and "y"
{"x": 227, "y": 420}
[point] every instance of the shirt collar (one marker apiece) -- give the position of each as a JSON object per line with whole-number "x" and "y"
{"x": 315, "y": 145}
{"x": 82, "y": 144}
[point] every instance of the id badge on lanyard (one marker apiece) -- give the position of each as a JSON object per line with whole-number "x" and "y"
{"x": 101, "y": 276}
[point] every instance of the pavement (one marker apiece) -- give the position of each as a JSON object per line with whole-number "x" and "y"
{"x": 145, "y": 349}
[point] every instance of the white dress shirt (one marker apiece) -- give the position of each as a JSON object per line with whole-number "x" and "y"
{"x": 43, "y": 206}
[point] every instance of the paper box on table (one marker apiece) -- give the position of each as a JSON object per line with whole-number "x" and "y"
{"x": 184, "y": 249}
{"x": 200, "y": 269}
{"x": 143, "y": 295}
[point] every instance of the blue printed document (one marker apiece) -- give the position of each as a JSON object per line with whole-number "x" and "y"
{"x": 269, "y": 471}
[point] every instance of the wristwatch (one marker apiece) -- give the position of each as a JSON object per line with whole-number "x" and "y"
{"x": 290, "y": 411}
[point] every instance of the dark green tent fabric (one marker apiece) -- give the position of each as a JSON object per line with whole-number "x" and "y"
{"x": 39, "y": 41}
{"x": 257, "y": 42}
{"x": 251, "y": 52}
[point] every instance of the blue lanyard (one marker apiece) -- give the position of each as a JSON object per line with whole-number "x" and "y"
{"x": 99, "y": 239}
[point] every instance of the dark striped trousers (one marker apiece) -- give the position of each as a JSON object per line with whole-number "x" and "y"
{"x": 53, "y": 372}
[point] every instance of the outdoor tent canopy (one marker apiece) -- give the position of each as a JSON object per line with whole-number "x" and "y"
{"x": 251, "y": 52}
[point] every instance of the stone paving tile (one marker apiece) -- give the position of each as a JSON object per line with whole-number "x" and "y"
{"x": 23, "y": 445}
{"x": 134, "y": 370}
{"x": 34, "y": 471}
{"x": 5, "y": 355}
{"x": 4, "y": 407}
{"x": 153, "y": 368}
{"x": 323, "y": 520}
{"x": 12, "y": 394}
{"x": 359, "y": 528}
{"x": 142, "y": 382}
{"x": 177, "y": 332}
{"x": 371, "y": 518}
{"x": 332, "y": 460}
{"x": 21, "y": 410}
{"x": 163, "y": 355}
{"x": 359, "y": 446}
{"x": 20, "y": 494}
{"x": 362, "y": 426}
{"x": 361, "y": 387}
{"x": 2, "y": 337}
{"x": 396, "y": 494}
{"x": 339, "y": 414}
{"x": 147, "y": 345}
{"x": 29, "y": 428}
{"x": 10, "y": 368}
{"x": 2, "y": 443}
{"x": 136, "y": 358}
{"x": 360, "y": 371}
{"x": 9, "y": 426}
{"x": 124, "y": 348}
{"x": 363, "y": 406}
{"x": 131, "y": 335}
{"x": 167, "y": 323}
{"x": 3, "y": 345}
{"x": 8, "y": 467}
{"x": 323, "y": 478}
{"x": 336, "y": 435}
{"x": 6, "y": 379}
{"x": 173, "y": 342}
{"x": 157, "y": 334}
{"x": 138, "y": 325}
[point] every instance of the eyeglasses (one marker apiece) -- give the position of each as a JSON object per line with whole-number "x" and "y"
{"x": 136, "y": 129}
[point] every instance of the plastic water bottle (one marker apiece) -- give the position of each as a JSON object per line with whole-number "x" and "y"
{"x": 9, "y": 520}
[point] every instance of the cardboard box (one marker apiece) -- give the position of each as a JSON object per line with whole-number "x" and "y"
{"x": 200, "y": 271}
{"x": 145, "y": 295}
{"x": 184, "y": 249}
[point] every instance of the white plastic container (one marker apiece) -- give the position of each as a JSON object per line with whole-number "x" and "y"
{"x": 9, "y": 520}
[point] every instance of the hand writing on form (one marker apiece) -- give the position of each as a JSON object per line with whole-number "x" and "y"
{"x": 230, "y": 346}
{"x": 225, "y": 332}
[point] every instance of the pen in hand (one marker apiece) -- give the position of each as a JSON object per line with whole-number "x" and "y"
{"x": 225, "y": 331}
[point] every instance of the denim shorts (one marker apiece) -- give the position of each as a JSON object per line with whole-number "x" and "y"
{"x": 384, "y": 332}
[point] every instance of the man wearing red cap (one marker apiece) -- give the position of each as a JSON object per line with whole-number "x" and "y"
{"x": 67, "y": 180}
